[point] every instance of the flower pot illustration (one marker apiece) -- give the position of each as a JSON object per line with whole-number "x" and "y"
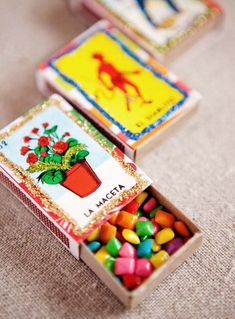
{"x": 81, "y": 179}
{"x": 60, "y": 159}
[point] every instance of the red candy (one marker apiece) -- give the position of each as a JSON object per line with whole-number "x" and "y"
{"x": 150, "y": 205}
{"x": 131, "y": 281}
{"x": 132, "y": 207}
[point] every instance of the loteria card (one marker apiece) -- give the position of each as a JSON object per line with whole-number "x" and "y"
{"x": 117, "y": 83}
{"x": 161, "y": 23}
{"x": 60, "y": 161}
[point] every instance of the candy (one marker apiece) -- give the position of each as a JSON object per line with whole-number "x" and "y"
{"x": 155, "y": 247}
{"x": 144, "y": 248}
{"x": 154, "y": 211}
{"x": 124, "y": 266}
{"x": 110, "y": 264}
{"x": 113, "y": 246}
{"x": 141, "y": 198}
{"x": 139, "y": 213}
{"x": 159, "y": 259}
{"x": 94, "y": 235}
{"x": 131, "y": 281}
{"x": 94, "y": 245}
{"x": 143, "y": 267}
{"x": 127, "y": 250}
{"x": 150, "y": 205}
{"x": 102, "y": 255}
{"x": 144, "y": 228}
{"x": 156, "y": 227}
{"x": 126, "y": 220}
{"x": 173, "y": 245}
{"x": 130, "y": 236}
{"x": 181, "y": 228}
{"x": 142, "y": 218}
{"x": 132, "y": 207}
{"x": 164, "y": 236}
{"x": 113, "y": 218}
{"x": 164, "y": 219}
{"x": 107, "y": 231}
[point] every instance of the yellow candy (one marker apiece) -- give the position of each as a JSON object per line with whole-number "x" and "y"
{"x": 94, "y": 235}
{"x": 159, "y": 259}
{"x": 130, "y": 236}
{"x": 141, "y": 198}
{"x": 164, "y": 236}
{"x": 155, "y": 247}
{"x": 102, "y": 255}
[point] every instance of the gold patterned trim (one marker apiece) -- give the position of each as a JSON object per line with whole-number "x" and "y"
{"x": 48, "y": 203}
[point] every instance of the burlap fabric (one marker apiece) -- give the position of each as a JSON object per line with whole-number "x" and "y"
{"x": 194, "y": 168}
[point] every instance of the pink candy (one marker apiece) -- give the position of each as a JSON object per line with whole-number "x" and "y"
{"x": 143, "y": 267}
{"x": 150, "y": 205}
{"x": 124, "y": 266}
{"x": 127, "y": 250}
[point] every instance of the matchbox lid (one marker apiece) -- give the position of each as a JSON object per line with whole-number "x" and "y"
{"x": 117, "y": 85}
{"x": 75, "y": 175}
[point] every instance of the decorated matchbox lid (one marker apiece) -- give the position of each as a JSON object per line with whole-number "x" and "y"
{"x": 120, "y": 87}
{"x": 162, "y": 26}
{"x": 73, "y": 174}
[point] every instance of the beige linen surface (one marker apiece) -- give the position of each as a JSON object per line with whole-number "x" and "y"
{"x": 194, "y": 168}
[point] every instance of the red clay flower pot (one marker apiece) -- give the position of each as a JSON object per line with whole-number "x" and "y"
{"x": 81, "y": 179}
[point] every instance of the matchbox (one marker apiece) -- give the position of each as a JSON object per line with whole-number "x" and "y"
{"x": 126, "y": 93}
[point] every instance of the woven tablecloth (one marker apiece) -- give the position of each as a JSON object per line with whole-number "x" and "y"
{"x": 194, "y": 167}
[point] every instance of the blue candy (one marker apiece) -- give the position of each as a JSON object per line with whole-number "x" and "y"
{"x": 94, "y": 245}
{"x": 144, "y": 248}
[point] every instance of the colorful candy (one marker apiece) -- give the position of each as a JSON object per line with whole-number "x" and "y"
{"x": 124, "y": 266}
{"x": 159, "y": 259}
{"x": 173, "y": 245}
{"x": 130, "y": 236}
{"x": 181, "y": 228}
{"x": 128, "y": 251}
{"x": 137, "y": 240}
{"x": 107, "y": 231}
{"x": 165, "y": 235}
{"x": 144, "y": 228}
{"x": 126, "y": 220}
{"x": 164, "y": 219}
{"x": 113, "y": 246}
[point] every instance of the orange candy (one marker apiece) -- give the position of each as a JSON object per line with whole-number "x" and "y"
{"x": 107, "y": 231}
{"x": 126, "y": 220}
{"x": 181, "y": 228}
{"x": 164, "y": 219}
{"x": 113, "y": 218}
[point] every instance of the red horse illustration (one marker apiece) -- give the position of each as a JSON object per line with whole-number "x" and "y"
{"x": 118, "y": 79}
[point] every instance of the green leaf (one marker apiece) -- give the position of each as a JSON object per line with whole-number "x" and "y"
{"x": 44, "y": 148}
{"x": 51, "y": 130}
{"x": 37, "y": 150}
{"x": 72, "y": 142}
{"x": 81, "y": 155}
{"x": 56, "y": 158}
{"x": 41, "y": 159}
{"x": 52, "y": 177}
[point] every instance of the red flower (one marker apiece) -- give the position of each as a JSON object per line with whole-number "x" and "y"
{"x": 35, "y": 130}
{"x": 27, "y": 139}
{"x": 45, "y": 124}
{"x": 24, "y": 150}
{"x": 43, "y": 141}
{"x": 60, "y": 147}
{"x": 67, "y": 134}
{"x": 43, "y": 153}
{"x": 32, "y": 158}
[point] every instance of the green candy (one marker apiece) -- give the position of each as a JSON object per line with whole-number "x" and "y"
{"x": 144, "y": 228}
{"x": 110, "y": 263}
{"x": 143, "y": 238}
{"x": 113, "y": 246}
{"x": 139, "y": 213}
{"x": 150, "y": 255}
{"x": 154, "y": 211}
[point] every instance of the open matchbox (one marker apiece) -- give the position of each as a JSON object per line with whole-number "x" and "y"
{"x": 165, "y": 28}
{"x": 73, "y": 179}
{"x": 123, "y": 91}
